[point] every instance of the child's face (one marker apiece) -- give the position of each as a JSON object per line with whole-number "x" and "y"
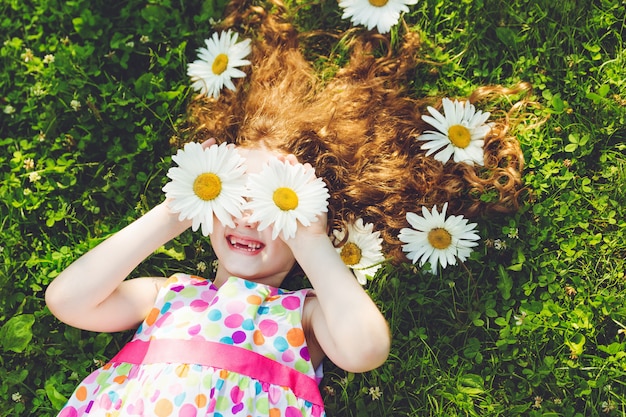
{"x": 245, "y": 252}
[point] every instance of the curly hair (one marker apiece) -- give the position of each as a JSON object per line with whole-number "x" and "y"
{"x": 357, "y": 129}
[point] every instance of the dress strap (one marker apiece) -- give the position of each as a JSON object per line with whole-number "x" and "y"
{"x": 221, "y": 356}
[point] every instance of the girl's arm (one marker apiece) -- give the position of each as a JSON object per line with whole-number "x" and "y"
{"x": 92, "y": 293}
{"x": 346, "y": 323}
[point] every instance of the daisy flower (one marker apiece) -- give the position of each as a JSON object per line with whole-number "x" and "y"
{"x": 217, "y": 63}
{"x": 284, "y": 194}
{"x": 461, "y": 131}
{"x": 362, "y": 252}
{"x": 380, "y": 13}
{"x": 437, "y": 239}
{"x": 207, "y": 182}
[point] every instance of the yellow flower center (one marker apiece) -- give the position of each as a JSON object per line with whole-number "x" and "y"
{"x": 439, "y": 238}
{"x": 285, "y": 198}
{"x": 207, "y": 186}
{"x": 350, "y": 254}
{"x": 220, "y": 64}
{"x": 460, "y": 136}
{"x": 378, "y": 3}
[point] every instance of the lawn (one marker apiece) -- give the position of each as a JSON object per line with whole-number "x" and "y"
{"x": 93, "y": 95}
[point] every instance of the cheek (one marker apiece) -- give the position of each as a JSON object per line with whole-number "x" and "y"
{"x": 283, "y": 254}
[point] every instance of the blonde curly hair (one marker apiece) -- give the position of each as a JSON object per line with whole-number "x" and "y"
{"x": 357, "y": 129}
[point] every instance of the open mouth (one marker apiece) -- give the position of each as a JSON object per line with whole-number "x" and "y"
{"x": 249, "y": 246}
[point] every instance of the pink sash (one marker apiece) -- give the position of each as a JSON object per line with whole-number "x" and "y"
{"x": 221, "y": 356}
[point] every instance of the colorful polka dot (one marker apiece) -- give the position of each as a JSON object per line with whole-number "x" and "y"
{"x": 304, "y": 354}
{"x": 163, "y": 408}
{"x": 188, "y": 410}
{"x": 68, "y": 412}
{"x": 239, "y": 337}
{"x": 248, "y": 324}
{"x": 254, "y": 300}
{"x": 291, "y": 303}
{"x": 194, "y": 330}
{"x": 268, "y": 327}
{"x": 201, "y": 401}
{"x": 199, "y": 305}
{"x": 293, "y": 412}
{"x": 258, "y": 338}
{"x": 214, "y": 315}
{"x": 281, "y": 344}
{"x": 152, "y": 316}
{"x": 81, "y": 393}
{"x": 295, "y": 337}
{"x": 233, "y": 321}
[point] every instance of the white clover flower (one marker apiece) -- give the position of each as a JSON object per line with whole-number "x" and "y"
{"x": 283, "y": 194}
{"x": 436, "y": 239}
{"x": 499, "y": 244}
{"x": 28, "y": 55}
{"x": 37, "y": 90}
{"x": 380, "y": 13}
{"x": 206, "y": 182}
{"x": 375, "y": 393}
{"x": 29, "y": 164}
{"x": 34, "y": 176}
{"x": 8, "y": 109}
{"x": 513, "y": 233}
{"x": 461, "y": 132}
{"x": 217, "y": 63}
{"x": 362, "y": 252}
{"x": 519, "y": 320}
{"x": 16, "y": 397}
{"x": 75, "y": 104}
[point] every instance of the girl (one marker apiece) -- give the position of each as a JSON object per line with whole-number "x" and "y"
{"x": 174, "y": 361}
{"x": 237, "y": 344}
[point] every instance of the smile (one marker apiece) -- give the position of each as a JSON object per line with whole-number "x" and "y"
{"x": 250, "y": 246}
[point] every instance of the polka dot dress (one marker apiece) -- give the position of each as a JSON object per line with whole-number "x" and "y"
{"x": 202, "y": 351}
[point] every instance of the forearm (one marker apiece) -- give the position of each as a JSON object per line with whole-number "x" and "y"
{"x": 94, "y": 276}
{"x": 358, "y": 334}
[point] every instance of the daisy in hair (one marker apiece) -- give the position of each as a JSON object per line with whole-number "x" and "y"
{"x": 217, "y": 64}
{"x": 283, "y": 194}
{"x": 436, "y": 239}
{"x": 208, "y": 181}
{"x": 362, "y": 252}
{"x": 461, "y": 131}
{"x": 380, "y": 13}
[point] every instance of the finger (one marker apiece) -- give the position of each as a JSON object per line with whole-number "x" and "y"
{"x": 291, "y": 158}
{"x": 208, "y": 143}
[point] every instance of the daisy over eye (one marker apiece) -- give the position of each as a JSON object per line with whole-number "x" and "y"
{"x": 207, "y": 182}
{"x": 283, "y": 194}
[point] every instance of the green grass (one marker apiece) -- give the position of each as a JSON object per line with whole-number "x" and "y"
{"x": 534, "y": 324}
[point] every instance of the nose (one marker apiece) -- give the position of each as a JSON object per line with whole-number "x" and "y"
{"x": 244, "y": 220}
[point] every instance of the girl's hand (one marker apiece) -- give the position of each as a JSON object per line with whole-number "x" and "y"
{"x": 318, "y": 228}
